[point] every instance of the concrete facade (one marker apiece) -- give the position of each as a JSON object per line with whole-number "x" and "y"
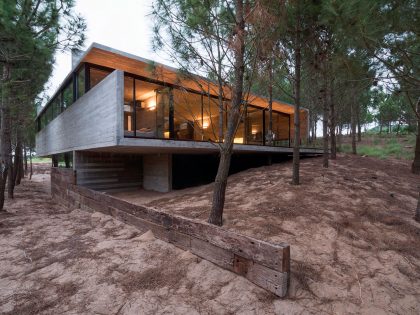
{"x": 157, "y": 172}
{"x": 94, "y": 124}
{"x": 93, "y": 121}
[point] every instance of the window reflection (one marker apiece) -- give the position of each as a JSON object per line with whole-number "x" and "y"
{"x": 281, "y": 132}
{"x": 254, "y": 126}
{"x": 97, "y": 75}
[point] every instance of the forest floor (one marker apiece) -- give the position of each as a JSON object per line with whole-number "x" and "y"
{"x": 354, "y": 247}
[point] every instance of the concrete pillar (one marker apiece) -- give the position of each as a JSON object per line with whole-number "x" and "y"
{"x": 157, "y": 172}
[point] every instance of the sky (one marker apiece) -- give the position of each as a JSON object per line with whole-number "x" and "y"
{"x": 121, "y": 24}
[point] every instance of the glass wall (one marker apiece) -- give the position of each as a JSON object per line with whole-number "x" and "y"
{"x": 255, "y": 126}
{"x": 281, "y": 128}
{"x": 188, "y": 122}
{"x": 67, "y": 95}
{"x": 74, "y": 88}
{"x": 213, "y": 118}
{"x": 153, "y": 110}
{"x": 81, "y": 84}
{"x": 146, "y": 109}
{"x": 240, "y": 132}
{"x": 96, "y": 75}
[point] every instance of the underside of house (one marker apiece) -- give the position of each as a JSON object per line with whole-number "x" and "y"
{"x": 123, "y": 122}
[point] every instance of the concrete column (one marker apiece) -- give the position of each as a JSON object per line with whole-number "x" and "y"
{"x": 157, "y": 172}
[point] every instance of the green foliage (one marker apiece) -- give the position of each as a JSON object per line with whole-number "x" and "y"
{"x": 385, "y": 147}
{"x": 30, "y": 34}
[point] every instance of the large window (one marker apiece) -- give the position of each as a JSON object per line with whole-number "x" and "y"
{"x": 255, "y": 126}
{"x": 154, "y": 111}
{"x": 188, "y": 123}
{"x": 80, "y": 78}
{"x": 96, "y": 75}
{"x": 146, "y": 109}
{"x": 213, "y": 118}
{"x": 85, "y": 78}
{"x": 68, "y": 95}
{"x": 281, "y": 128}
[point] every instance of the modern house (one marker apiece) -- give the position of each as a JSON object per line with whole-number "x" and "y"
{"x": 121, "y": 121}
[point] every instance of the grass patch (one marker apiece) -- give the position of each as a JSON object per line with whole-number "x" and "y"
{"x": 41, "y": 160}
{"x": 385, "y": 146}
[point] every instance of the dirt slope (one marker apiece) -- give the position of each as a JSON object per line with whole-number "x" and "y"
{"x": 354, "y": 245}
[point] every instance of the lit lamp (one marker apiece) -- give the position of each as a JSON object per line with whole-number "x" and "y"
{"x": 205, "y": 124}
{"x": 254, "y": 130}
{"x": 151, "y": 105}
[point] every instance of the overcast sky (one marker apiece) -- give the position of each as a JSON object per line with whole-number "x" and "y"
{"x": 120, "y": 24}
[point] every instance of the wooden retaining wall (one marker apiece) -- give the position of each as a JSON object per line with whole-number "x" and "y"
{"x": 265, "y": 264}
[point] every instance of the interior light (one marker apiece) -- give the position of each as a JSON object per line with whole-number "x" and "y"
{"x": 151, "y": 104}
{"x": 205, "y": 124}
{"x": 254, "y": 130}
{"x": 238, "y": 140}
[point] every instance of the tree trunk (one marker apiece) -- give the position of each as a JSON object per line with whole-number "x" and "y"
{"x": 353, "y": 127}
{"x": 66, "y": 160}
{"x": 415, "y": 166}
{"x": 340, "y": 135}
{"x": 54, "y": 160}
{"x": 5, "y": 134}
{"x": 25, "y": 157}
{"x": 296, "y": 138}
{"x": 30, "y": 164}
{"x": 10, "y": 181}
{"x": 325, "y": 135}
{"x": 417, "y": 215}
{"x": 270, "y": 103}
{"x": 5, "y": 147}
{"x": 333, "y": 139}
{"x": 359, "y": 126}
{"x": 220, "y": 183}
{"x": 17, "y": 167}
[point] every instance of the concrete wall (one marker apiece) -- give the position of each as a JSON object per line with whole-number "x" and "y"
{"x": 93, "y": 121}
{"x": 157, "y": 172}
{"x": 109, "y": 172}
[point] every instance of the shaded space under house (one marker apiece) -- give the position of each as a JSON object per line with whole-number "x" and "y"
{"x": 124, "y": 122}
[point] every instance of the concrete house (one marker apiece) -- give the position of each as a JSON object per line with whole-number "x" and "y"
{"x": 121, "y": 121}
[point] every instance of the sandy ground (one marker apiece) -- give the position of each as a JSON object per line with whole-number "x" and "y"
{"x": 354, "y": 246}
{"x": 355, "y": 249}
{"x": 55, "y": 260}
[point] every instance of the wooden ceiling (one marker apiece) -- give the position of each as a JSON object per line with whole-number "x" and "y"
{"x": 135, "y": 65}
